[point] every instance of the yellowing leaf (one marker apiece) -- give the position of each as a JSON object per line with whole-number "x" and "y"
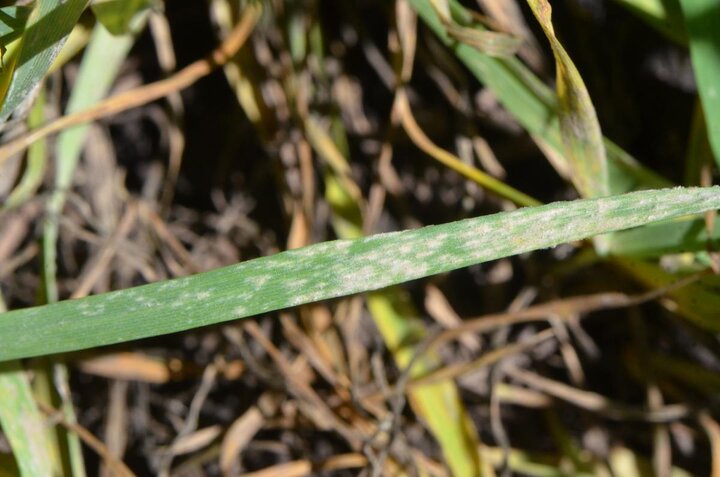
{"x": 579, "y": 127}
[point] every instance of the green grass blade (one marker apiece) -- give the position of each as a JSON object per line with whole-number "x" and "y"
{"x": 698, "y": 155}
{"x": 698, "y": 302}
{"x": 47, "y": 28}
{"x": 100, "y": 65}
{"x": 98, "y": 70}
{"x": 36, "y": 160}
{"x": 579, "y": 127}
{"x": 329, "y": 270}
{"x": 702, "y": 18}
{"x": 120, "y": 17}
{"x": 12, "y": 22}
{"x": 626, "y": 462}
{"x": 623, "y": 461}
{"x": 22, "y": 422}
{"x": 76, "y": 42}
{"x": 664, "y": 15}
{"x": 653, "y": 241}
{"x": 437, "y": 404}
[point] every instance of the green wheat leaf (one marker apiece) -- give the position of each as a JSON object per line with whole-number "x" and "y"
{"x": 47, "y": 29}
{"x": 702, "y": 18}
{"x": 329, "y": 270}
{"x": 22, "y": 422}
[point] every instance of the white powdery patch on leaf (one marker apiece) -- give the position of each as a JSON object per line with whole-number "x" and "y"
{"x": 239, "y": 312}
{"x": 174, "y": 284}
{"x": 259, "y": 280}
{"x": 296, "y": 285}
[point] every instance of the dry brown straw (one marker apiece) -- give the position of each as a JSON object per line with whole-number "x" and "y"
{"x": 144, "y": 94}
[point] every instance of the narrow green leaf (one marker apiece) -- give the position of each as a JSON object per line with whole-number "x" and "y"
{"x": 624, "y": 461}
{"x": 297, "y": 30}
{"x": 329, "y": 270}
{"x": 653, "y": 241}
{"x": 120, "y": 17}
{"x": 698, "y": 155}
{"x": 579, "y": 126}
{"x": 12, "y": 23}
{"x": 702, "y": 18}
{"x": 698, "y": 301}
{"x": 98, "y": 70}
{"x": 437, "y": 404}
{"x": 530, "y": 464}
{"x": 22, "y": 422}
{"x": 36, "y": 160}
{"x": 663, "y": 15}
{"x": 76, "y": 42}
{"x": 47, "y": 28}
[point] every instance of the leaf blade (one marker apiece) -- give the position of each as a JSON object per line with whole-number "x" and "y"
{"x": 663, "y": 15}
{"x": 45, "y": 33}
{"x": 702, "y": 19}
{"x": 329, "y": 270}
{"x": 22, "y": 421}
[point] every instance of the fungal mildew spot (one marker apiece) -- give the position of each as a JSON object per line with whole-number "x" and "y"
{"x": 202, "y": 295}
{"x": 259, "y": 280}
